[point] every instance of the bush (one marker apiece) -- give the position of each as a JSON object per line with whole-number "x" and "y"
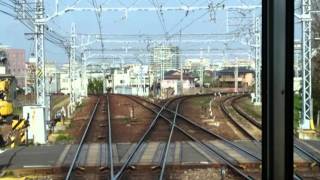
{"x": 63, "y": 138}
{"x": 95, "y": 86}
{"x": 297, "y": 111}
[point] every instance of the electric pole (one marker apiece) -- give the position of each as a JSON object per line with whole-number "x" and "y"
{"x": 306, "y": 65}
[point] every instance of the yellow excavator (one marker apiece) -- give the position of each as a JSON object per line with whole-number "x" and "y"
{"x": 13, "y": 129}
{"x": 16, "y": 128}
{"x": 6, "y": 108}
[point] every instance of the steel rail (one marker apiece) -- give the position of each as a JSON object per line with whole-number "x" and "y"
{"x": 242, "y": 113}
{"x": 110, "y": 139}
{"x": 219, "y": 155}
{"x": 314, "y": 158}
{"x": 259, "y": 126}
{"x": 153, "y": 122}
{"x": 245, "y": 115}
{"x": 203, "y": 129}
{"x": 165, "y": 155}
{"x": 227, "y": 113}
{"x": 296, "y": 176}
{"x": 82, "y": 141}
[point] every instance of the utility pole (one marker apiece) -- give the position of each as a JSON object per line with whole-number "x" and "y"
{"x": 39, "y": 53}
{"x": 201, "y": 77}
{"x": 306, "y": 65}
{"x": 84, "y": 76}
{"x": 257, "y": 99}
{"x": 236, "y": 76}
{"x": 181, "y": 77}
{"x": 40, "y": 135}
{"x": 72, "y": 74}
{"x": 140, "y": 79}
{"x": 181, "y": 68}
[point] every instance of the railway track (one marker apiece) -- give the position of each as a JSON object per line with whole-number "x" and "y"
{"x": 210, "y": 145}
{"x": 194, "y": 133}
{"x": 253, "y": 122}
{"x": 243, "y": 113}
{"x": 90, "y": 135}
{"x": 169, "y": 112}
{"x": 298, "y": 145}
{"x": 244, "y": 125}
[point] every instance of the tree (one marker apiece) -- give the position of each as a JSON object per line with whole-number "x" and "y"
{"x": 316, "y": 59}
{"x": 95, "y": 86}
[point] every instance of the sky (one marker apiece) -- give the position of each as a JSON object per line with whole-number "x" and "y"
{"x": 13, "y": 32}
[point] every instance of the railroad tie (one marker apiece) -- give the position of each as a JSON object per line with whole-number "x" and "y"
{"x": 104, "y": 155}
{"x": 83, "y": 155}
{"x": 234, "y": 154}
{"x": 298, "y": 157}
{"x": 63, "y": 155}
{"x": 93, "y": 154}
{"x": 201, "y": 151}
{"x": 115, "y": 154}
{"x": 149, "y": 153}
{"x": 310, "y": 147}
{"x": 159, "y": 152}
{"x": 139, "y": 154}
{"x": 177, "y": 153}
{"x": 126, "y": 155}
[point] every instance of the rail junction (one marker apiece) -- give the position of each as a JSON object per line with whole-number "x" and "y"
{"x": 170, "y": 143}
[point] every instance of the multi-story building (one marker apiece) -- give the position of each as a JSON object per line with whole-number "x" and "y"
{"x": 131, "y": 79}
{"x": 15, "y": 64}
{"x": 163, "y": 59}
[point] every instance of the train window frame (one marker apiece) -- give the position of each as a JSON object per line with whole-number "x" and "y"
{"x": 277, "y": 89}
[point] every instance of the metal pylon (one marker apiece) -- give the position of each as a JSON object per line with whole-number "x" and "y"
{"x": 84, "y": 80}
{"x": 306, "y": 65}
{"x": 236, "y": 76}
{"x": 39, "y": 53}
{"x": 72, "y": 67}
{"x": 257, "y": 99}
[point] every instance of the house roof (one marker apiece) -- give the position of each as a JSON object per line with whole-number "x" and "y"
{"x": 231, "y": 70}
{"x": 175, "y": 75}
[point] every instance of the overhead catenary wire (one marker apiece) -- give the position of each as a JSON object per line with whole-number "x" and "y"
{"x": 28, "y": 21}
{"x": 98, "y": 17}
{"x": 160, "y": 16}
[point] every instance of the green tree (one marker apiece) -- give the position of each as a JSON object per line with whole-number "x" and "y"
{"x": 316, "y": 60}
{"x": 297, "y": 111}
{"x": 95, "y": 86}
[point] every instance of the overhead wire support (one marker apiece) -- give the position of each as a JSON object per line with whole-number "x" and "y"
{"x": 72, "y": 69}
{"x": 257, "y": 98}
{"x": 306, "y": 65}
{"x": 39, "y": 53}
{"x": 146, "y": 9}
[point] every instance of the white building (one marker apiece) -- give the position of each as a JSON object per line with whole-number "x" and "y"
{"x": 132, "y": 79}
{"x": 171, "y": 83}
{"x": 52, "y": 78}
{"x": 164, "y": 58}
{"x": 297, "y": 84}
{"x": 64, "y": 79}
